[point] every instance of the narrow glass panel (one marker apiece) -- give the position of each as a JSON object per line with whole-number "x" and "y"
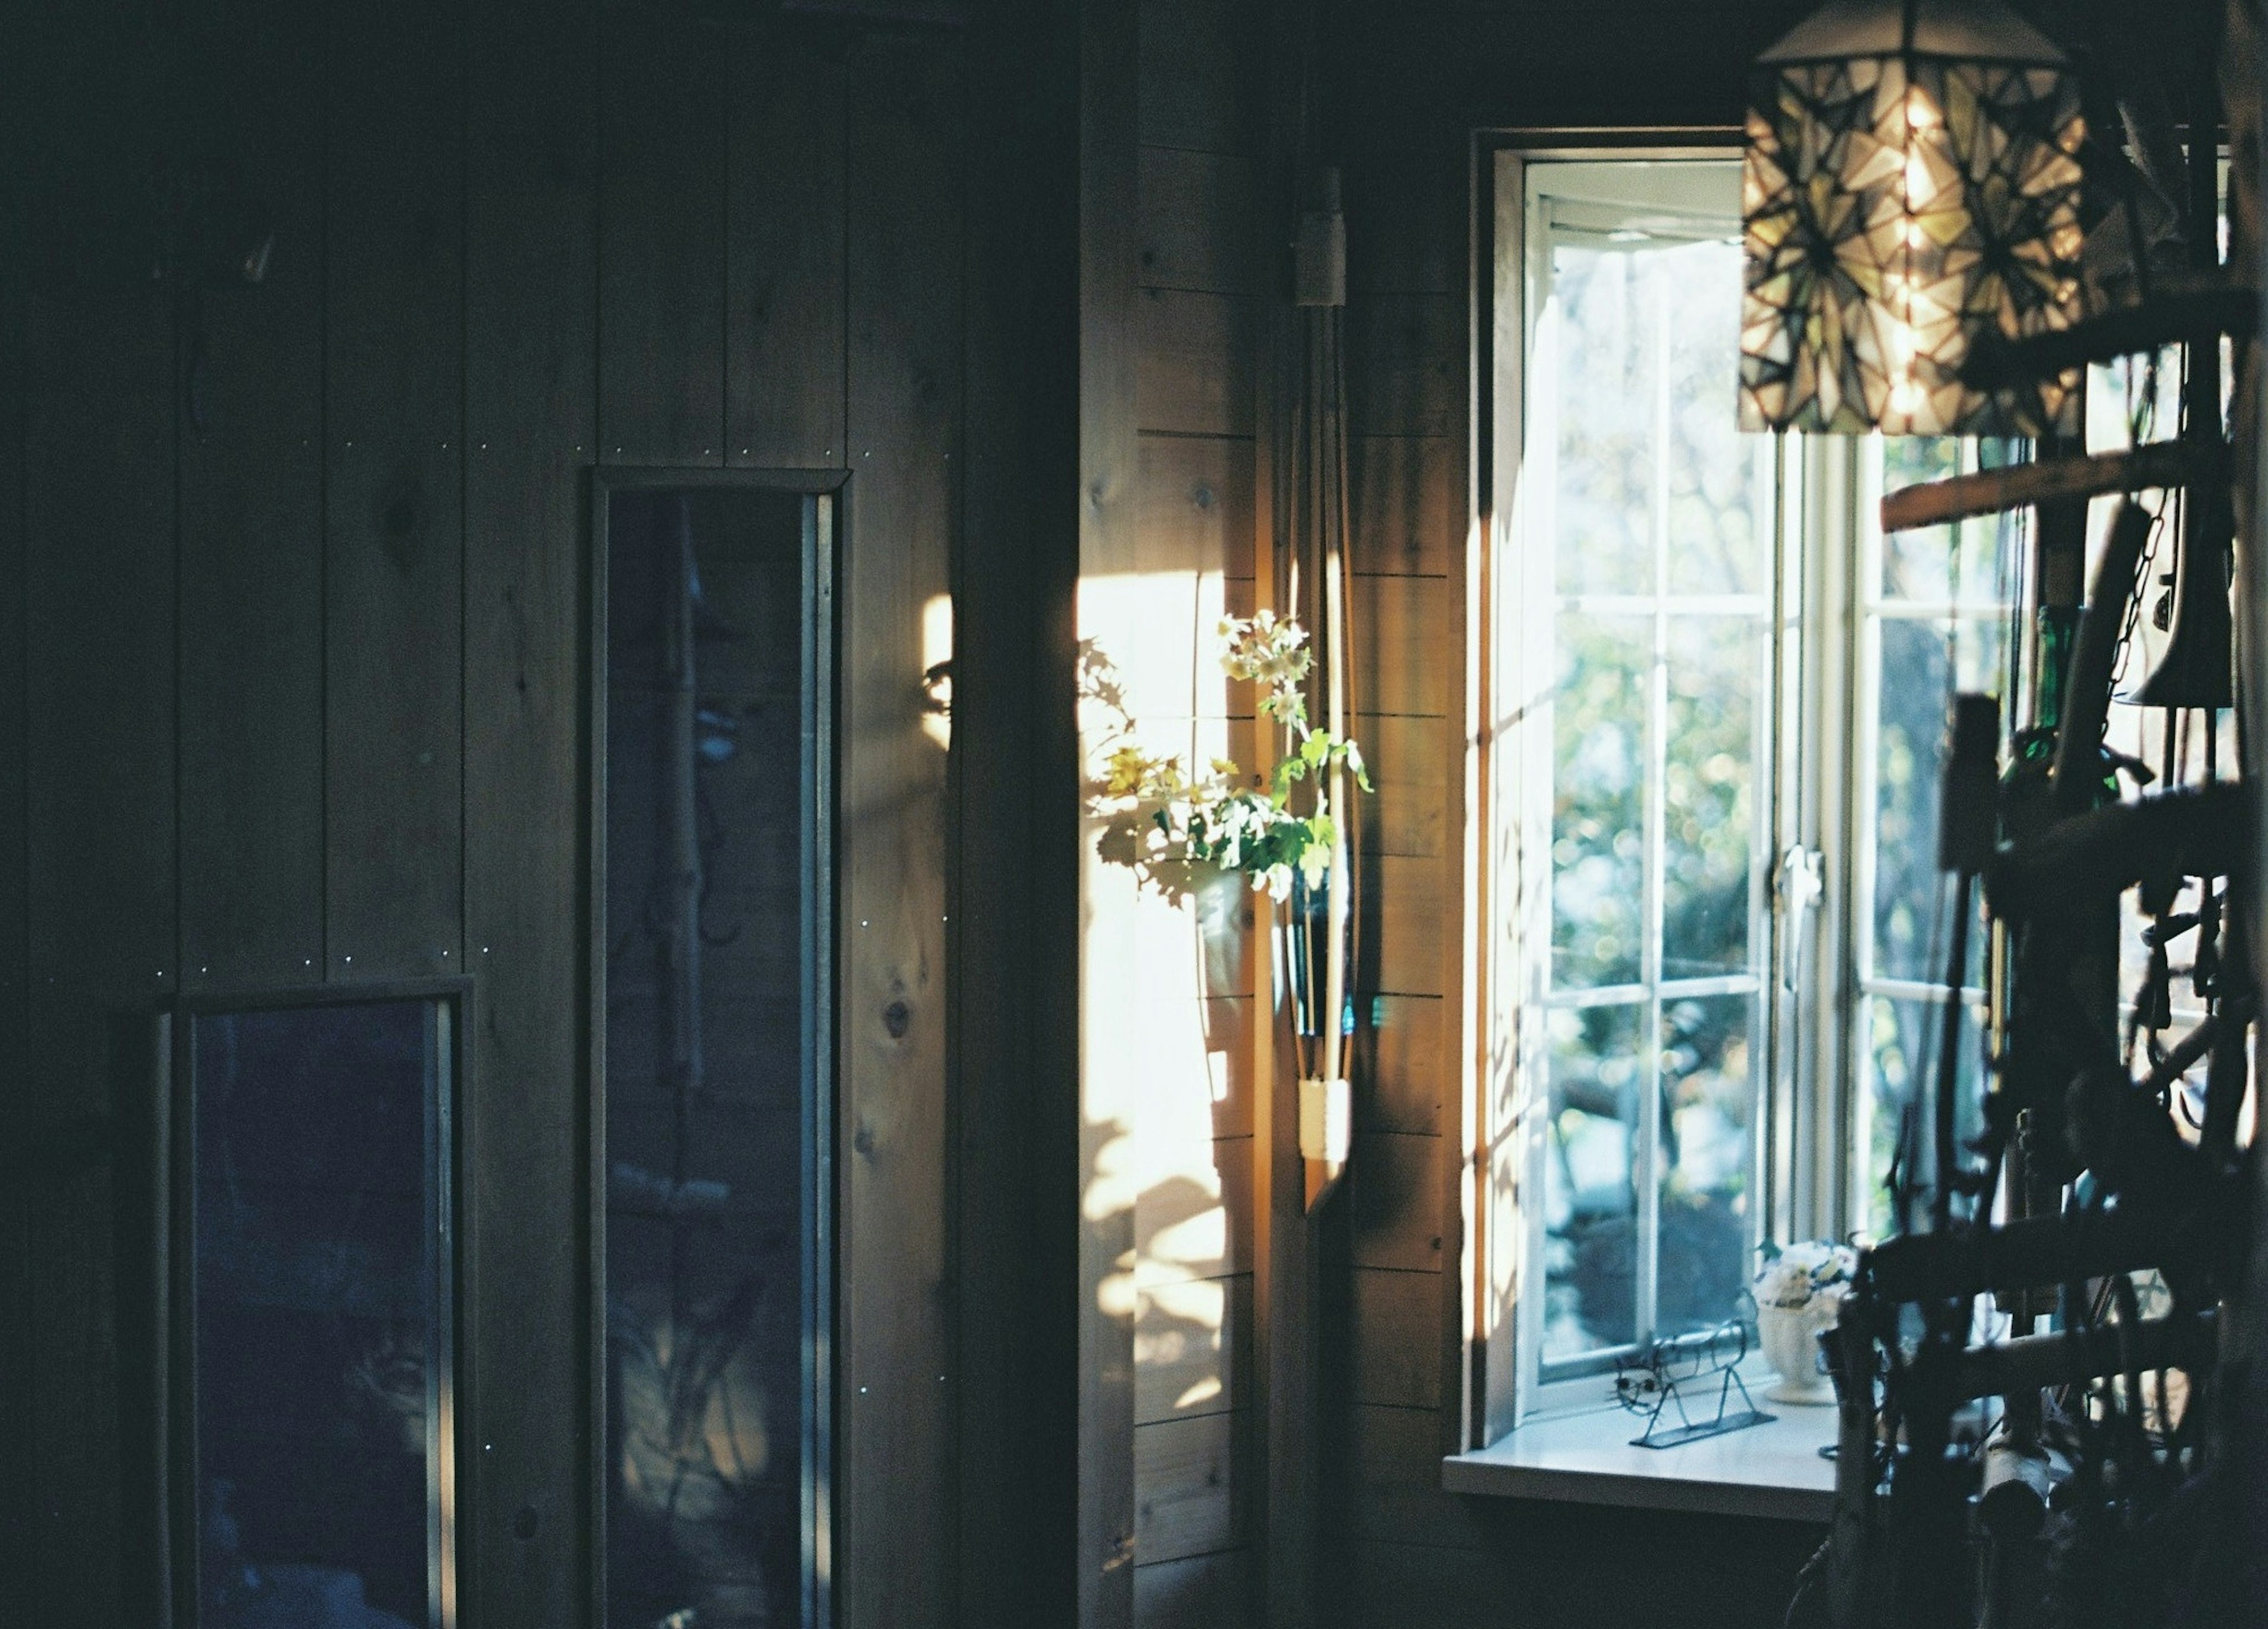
{"x": 1902, "y": 1041}
{"x": 1921, "y": 663}
{"x": 1610, "y": 368}
{"x": 1708, "y": 793}
{"x": 1589, "y": 1193}
{"x": 707, "y": 986}
{"x": 1708, "y": 1159}
{"x": 1718, "y": 479}
{"x": 1972, "y": 562}
{"x": 320, "y": 1359}
{"x": 1598, "y": 832}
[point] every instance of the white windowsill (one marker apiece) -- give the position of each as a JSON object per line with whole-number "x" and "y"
{"x": 1773, "y": 1470}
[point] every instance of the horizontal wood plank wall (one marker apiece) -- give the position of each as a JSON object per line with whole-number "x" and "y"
{"x": 291, "y": 675}
{"x": 1405, "y": 87}
{"x": 1197, "y": 1473}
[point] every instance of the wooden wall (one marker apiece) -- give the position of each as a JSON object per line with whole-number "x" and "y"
{"x": 292, "y": 594}
{"x": 1406, "y": 86}
{"x": 1150, "y": 603}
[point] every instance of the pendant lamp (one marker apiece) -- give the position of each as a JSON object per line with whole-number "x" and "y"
{"x": 1912, "y": 182}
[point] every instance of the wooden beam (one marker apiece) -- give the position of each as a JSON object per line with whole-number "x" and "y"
{"x": 1994, "y": 492}
{"x": 2170, "y": 319}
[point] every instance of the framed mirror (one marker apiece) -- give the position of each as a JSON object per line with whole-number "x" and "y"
{"x": 714, "y": 1119}
{"x": 313, "y": 1292}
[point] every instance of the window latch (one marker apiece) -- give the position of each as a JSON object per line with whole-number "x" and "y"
{"x": 1800, "y": 884}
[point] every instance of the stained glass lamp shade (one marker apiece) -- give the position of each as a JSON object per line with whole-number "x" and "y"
{"x": 1912, "y": 183}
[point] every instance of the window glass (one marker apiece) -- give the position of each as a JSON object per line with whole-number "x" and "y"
{"x": 321, "y": 1296}
{"x": 1656, "y": 535}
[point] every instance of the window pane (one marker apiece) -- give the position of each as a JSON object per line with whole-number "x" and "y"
{"x": 1590, "y": 1200}
{"x": 709, "y": 1083}
{"x": 1609, "y": 356}
{"x": 1902, "y": 1039}
{"x": 1708, "y": 794}
{"x": 1719, "y": 495}
{"x": 1708, "y": 1091}
{"x": 1972, "y": 562}
{"x": 1920, "y": 664}
{"x": 320, "y": 1362}
{"x": 1598, "y": 832}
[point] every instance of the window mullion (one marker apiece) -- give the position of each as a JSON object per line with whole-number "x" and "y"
{"x": 1645, "y": 1167}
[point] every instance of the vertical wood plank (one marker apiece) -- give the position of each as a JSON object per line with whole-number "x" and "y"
{"x": 661, "y": 253}
{"x": 531, "y": 234}
{"x": 783, "y": 257}
{"x": 18, "y": 1505}
{"x": 394, "y": 555}
{"x": 100, "y": 907}
{"x": 1015, "y": 905}
{"x": 894, "y": 1437}
{"x": 252, "y": 536}
{"x": 1108, "y": 488}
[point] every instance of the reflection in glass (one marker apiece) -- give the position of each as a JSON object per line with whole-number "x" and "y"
{"x": 1609, "y": 356}
{"x": 710, "y": 1063}
{"x": 1708, "y": 793}
{"x": 1660, "y": 520}
{"x": 1902, "y": 1037}
{"x": 1598, "y": 834}
{"x": 1922, "y": 662}
{"x": 1972, "y": 564}
{"x": 1720, "y": 480}
{"x": 1707, "y": 1162}
{"x": 1589, "y": 1193}
{"x": 319, "y": 1219}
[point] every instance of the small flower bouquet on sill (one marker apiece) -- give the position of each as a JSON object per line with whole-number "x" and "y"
{"x": 1799, "y": 1290}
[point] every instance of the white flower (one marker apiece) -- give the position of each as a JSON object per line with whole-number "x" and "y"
{"x": 1809, "y": 1277}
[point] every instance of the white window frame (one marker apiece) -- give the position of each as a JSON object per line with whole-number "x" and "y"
{"x": 1808, "y": 1140}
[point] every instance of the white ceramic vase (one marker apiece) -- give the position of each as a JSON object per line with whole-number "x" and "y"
{"x": 1789, "y": 1335}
